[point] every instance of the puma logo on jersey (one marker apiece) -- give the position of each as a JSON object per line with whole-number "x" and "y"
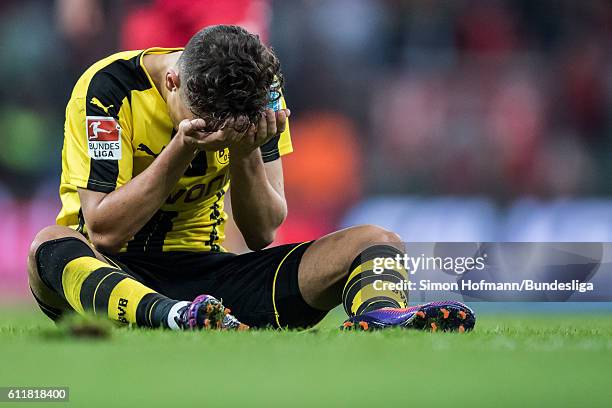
{"x": 144, "y": 148}
{"x": 95, "y": 101}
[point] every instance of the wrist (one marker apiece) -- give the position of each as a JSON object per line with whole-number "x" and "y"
{"x": 242, "y": 161}
{"x": 237, "y": 154}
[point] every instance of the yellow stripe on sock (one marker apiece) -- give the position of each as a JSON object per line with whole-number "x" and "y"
{"x": 366, "y": 266}
{"x": 369, "y": 292}
{"x": 74, "y": 274}
{"x": 124, "y": 299}
{"x": 357, "y": 301}
{"x": 100, "y": 284}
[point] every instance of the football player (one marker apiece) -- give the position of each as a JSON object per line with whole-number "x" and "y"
{"x": 152, "y": 141}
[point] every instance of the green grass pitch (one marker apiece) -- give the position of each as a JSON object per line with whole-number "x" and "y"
{"x": 553, "y": 360}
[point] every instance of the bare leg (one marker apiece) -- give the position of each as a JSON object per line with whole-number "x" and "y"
{"x": 325, "y": 265}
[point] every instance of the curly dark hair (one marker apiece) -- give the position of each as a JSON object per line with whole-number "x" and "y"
{"x": 228, "y": 74}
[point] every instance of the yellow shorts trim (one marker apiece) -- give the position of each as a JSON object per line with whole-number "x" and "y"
{"x": 276, "y": 315}
{"x": 110, "y": 261}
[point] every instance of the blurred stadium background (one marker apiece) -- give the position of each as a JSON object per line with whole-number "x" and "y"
{"x": 443, "y": 120}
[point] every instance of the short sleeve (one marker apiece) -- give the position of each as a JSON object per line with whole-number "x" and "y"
{"x": 97, "y": 141}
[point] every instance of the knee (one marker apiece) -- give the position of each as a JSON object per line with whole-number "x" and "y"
{"x": 47, "y": 234}
{"x": 373, "y": 235}
{"x": 364, "y": 237}
{"x": 47, "y": 296}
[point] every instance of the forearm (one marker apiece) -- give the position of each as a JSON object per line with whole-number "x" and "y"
{"x": 258, "y": 208}
{"x": 119, "y": 215}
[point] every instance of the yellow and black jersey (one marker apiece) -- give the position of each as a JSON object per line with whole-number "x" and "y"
{"x": 116, "y": 124}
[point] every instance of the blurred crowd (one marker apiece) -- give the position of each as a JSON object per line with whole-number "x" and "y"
{"x": 462, "y": 97}
{"x": 503, "y": 98}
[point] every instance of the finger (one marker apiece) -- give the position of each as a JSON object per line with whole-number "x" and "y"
{"x": 230, "y": 132}
{"x": 252, "y": 131}
{"x": 242, "y": 128}
{"x": 233, "y": 136}
{"x": 251, "y": 134}
{"x": 281, "y": 121}
{"x": 262, "y": 128}
{"x": 271, "y": 122}
{"x": 287, "y": 112}
{"x": 198, "y": 124}
{"x": 241, "y": 123}
{"x": 229, "y": 124}
{"x": 210, "y": 141}
{"x": 191, "y": 127}
{"x": 184, "y": 126}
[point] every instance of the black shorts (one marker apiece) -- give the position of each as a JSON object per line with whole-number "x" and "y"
{"x": 260, "y": 288}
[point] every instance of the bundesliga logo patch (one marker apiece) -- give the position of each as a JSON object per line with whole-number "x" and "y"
{"x": 103, "y": 138}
